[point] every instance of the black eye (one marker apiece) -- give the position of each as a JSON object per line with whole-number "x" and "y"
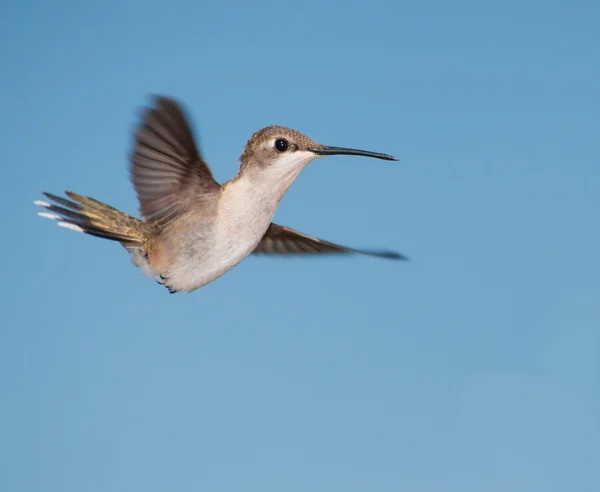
{"x": 281, "y": 145}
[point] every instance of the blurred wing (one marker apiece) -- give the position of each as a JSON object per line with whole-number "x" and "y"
{"x": 279, "y": 240}
{"x": 167, "y": 169}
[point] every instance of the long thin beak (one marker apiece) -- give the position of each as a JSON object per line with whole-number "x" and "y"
{"x": 326, "y": 150}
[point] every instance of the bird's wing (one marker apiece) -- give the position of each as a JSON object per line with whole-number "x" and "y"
{"x": 167, "y": 168}
{"x": 279, "y": 240}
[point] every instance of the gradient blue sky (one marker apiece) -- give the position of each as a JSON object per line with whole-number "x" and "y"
{"x": 474, "y": 367}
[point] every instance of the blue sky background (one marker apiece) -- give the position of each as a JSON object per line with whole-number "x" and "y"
{"x": 476, "y": 366}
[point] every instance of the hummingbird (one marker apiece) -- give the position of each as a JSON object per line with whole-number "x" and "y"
{"x": 194, "y": 229}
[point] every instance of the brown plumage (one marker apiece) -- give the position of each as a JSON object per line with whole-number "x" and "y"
{"x": 195, "y": 229}
{"x": 279, "y": 240}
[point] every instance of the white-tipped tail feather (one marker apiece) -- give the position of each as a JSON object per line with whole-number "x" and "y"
{"x": 46, "y": 215}
{"x": 73, "y": 227}
{"x": 49, "y": 216}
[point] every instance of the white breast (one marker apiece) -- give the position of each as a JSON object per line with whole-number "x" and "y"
{"x": 244, "y": 214}
{"x": 245, "y": 210}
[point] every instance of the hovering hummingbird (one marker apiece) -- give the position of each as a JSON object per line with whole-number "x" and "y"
{"x": 194, "y": 229}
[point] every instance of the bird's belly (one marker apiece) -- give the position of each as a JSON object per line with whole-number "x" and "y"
{"x": 202, "y": 262}
{"x": 243, "y": 216}
{"x": 197, "y": 272}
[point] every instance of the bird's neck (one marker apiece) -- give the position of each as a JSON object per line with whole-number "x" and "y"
{"x": 262, "y": 188}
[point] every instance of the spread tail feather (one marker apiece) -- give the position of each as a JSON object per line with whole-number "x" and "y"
{"x": 84, "y": 214}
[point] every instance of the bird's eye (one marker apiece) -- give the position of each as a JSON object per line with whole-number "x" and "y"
{"x": 281, "y": 145}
